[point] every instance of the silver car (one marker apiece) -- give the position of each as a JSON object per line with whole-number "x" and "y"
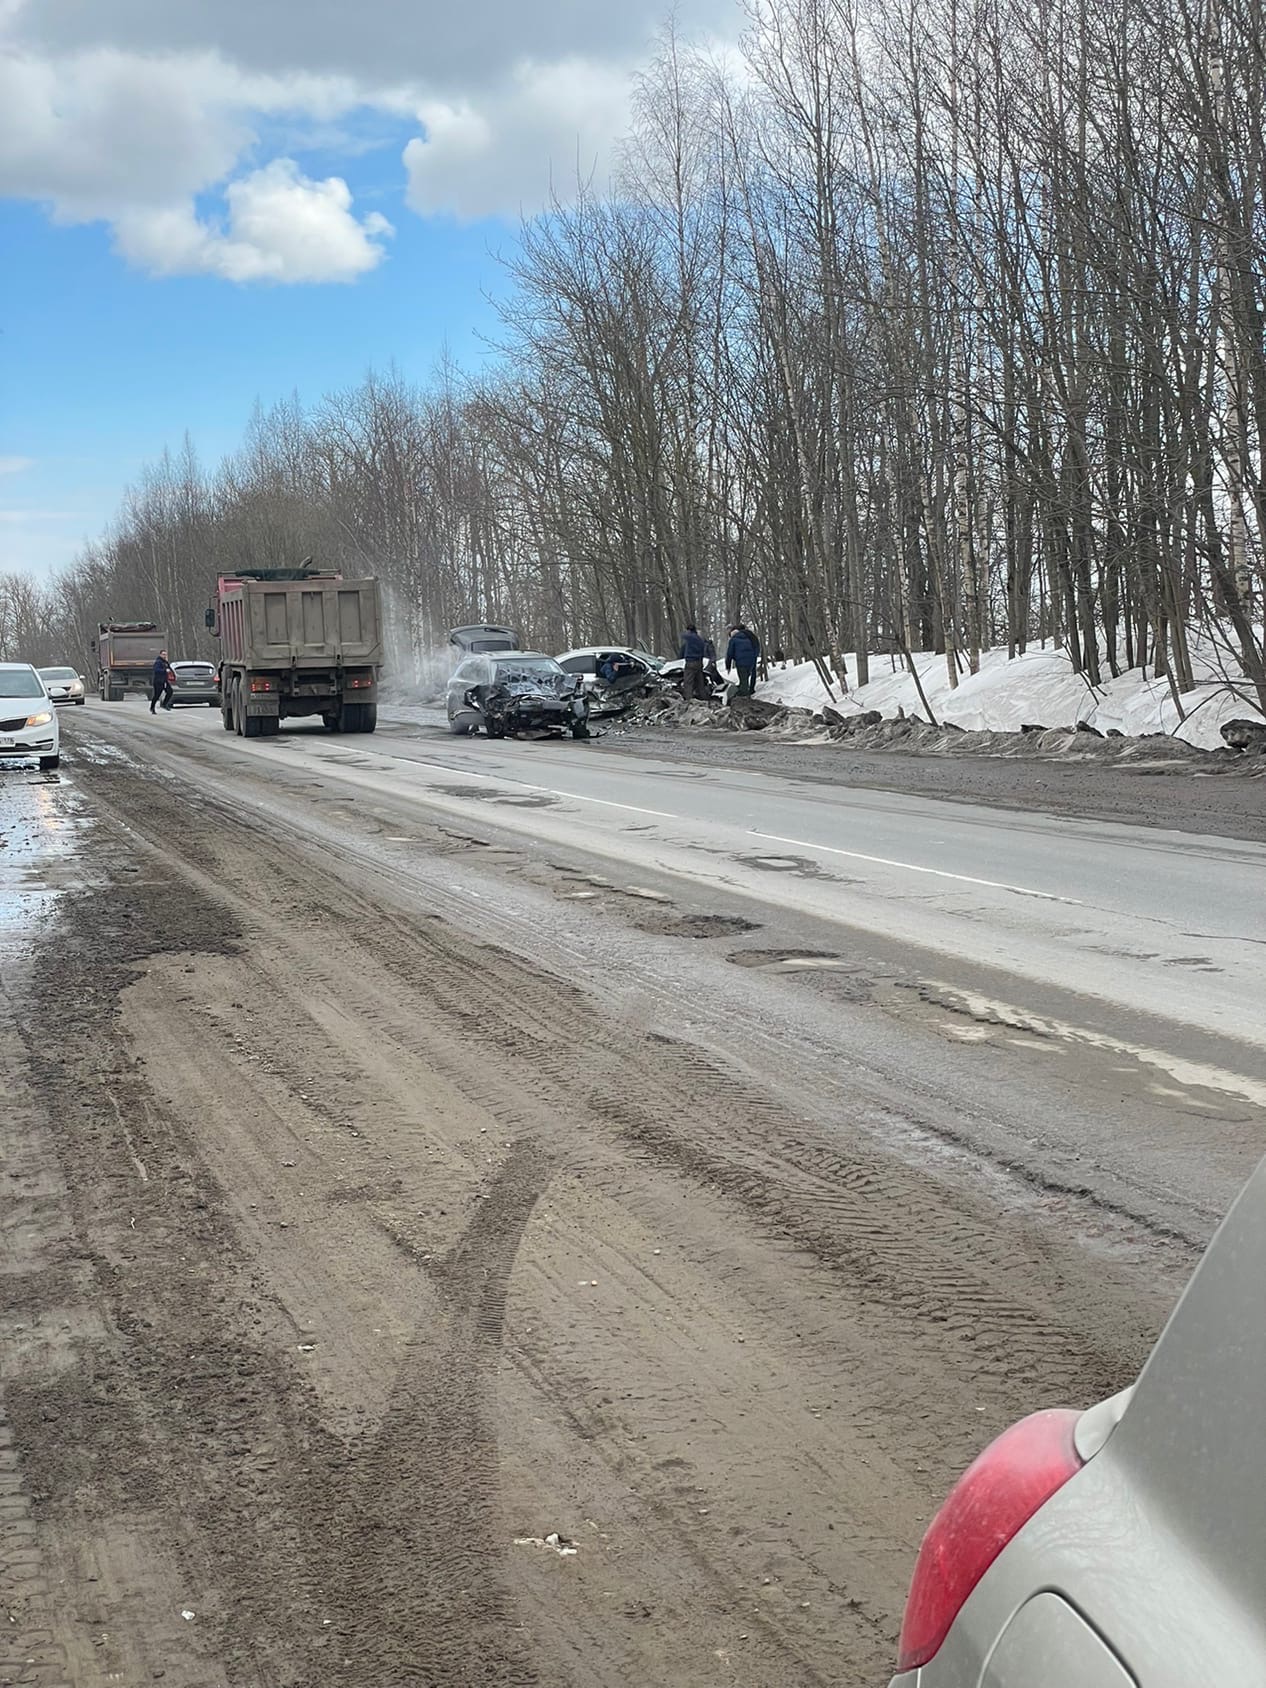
{"x": 1125, "y": 1545}
{"x": 64, "y": 685}
{"x": 196, "y": 682}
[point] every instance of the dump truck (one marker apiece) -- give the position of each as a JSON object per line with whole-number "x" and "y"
{"x": 299, "y": 641}
{"x": 126, "y": 651}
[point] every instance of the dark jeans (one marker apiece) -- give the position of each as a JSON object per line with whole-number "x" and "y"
{"x": 746, "y": 680}
{"x": 692, "y": 680}
{"x": 161, "y": 691}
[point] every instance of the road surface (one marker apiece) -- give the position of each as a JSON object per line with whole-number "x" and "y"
{"x": 534, "y": 1213}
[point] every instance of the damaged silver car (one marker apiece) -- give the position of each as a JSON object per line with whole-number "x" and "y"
{"x": 516, "y": 692}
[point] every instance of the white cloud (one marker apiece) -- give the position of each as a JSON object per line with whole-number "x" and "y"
{"x": 153, "y": 116}
{"x": 280, "y": 226}
{"x": 15, "y": 465}
{"x": 133, "y": 140}
{"x": 546, "y": 125}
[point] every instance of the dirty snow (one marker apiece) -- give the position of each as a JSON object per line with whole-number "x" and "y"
{"x": 1038, "y": 688}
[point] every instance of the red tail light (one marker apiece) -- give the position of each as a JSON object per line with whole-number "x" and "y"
{"x": 993, "y": 1499}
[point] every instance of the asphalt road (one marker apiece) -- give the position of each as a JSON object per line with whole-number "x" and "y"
{"x": 422, "y": 1148}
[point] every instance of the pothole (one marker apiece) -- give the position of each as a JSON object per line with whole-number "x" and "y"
{"x": 790, "y": 961}
{"x": 800, "y": 865}
{"x": 696, "y": 925}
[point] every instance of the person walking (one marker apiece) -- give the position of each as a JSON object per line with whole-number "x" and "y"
{"x": 163, "y": 679}
{"x": 742, "y": 653}
{"x": 694, "y": 648}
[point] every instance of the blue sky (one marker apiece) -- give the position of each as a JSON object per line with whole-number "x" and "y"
{"x": 101, "y": 365}
{"x": 204, "y": 203}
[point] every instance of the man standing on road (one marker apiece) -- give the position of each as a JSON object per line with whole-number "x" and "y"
{"x": 162, "y": 682}
{"x": 742, "y": 653}
{"x": 693, "y": 649}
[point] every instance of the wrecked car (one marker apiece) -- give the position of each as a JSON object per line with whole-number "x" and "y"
{"x": 513, "y": 692}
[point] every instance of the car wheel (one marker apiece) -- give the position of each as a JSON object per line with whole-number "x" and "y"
{"x": 48, "y": 763}
{"x": 459, "y": 729}
{"x": 580, "y": 731}
{"x": 80, "y": 701}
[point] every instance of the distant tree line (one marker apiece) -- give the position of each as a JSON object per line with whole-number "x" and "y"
{"x": 935, "y": 324}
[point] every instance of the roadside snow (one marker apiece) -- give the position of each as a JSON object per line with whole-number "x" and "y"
{"x": 1037, "y": 689}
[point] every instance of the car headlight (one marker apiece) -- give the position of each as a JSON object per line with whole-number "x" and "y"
{"x": 40, "y": 720}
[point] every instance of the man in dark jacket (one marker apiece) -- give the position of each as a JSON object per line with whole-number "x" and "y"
{"x": 743, "y": 652}
{"x": 694, "y": 647}
{"x": 162, "y": 678}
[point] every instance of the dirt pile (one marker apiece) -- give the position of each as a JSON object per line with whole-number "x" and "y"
{"x": 870, "y": 731}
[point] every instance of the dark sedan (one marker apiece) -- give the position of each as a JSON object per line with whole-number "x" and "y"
{"x": 511, "y": 692}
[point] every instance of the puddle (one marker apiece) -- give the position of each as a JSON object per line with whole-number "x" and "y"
{"x": 39, "y": 854}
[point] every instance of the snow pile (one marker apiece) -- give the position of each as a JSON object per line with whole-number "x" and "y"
{"x": 1036, "y": 689}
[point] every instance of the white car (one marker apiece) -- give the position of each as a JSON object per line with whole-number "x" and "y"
{"x": 63, "y": 685}
{"x": 28, "y": 721}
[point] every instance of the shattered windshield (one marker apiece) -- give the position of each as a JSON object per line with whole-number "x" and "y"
{"x": 540, "y": 668}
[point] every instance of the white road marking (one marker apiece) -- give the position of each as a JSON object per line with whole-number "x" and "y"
{"x": 913, "y": 867}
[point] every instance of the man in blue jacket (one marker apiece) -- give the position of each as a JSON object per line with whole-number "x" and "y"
{"x": 694, "y": 648}
{"x": 743, "y": 652}
{"x": 162, "y": 678}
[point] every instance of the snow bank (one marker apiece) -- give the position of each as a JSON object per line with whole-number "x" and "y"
{"x": 1036, "y": 689}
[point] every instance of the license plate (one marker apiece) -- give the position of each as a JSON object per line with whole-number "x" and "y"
{"x": 7, "y": 743}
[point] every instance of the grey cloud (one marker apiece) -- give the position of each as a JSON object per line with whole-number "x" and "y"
{"x": 446, "y": 47}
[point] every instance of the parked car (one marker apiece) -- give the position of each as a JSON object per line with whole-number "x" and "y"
{"x": 29, "y": 727}
{"x": 1119, "y": 1547}
{"x": 63, "y": 685}
{"x": 196, "y": 682}
{"x": 515, "y": 692}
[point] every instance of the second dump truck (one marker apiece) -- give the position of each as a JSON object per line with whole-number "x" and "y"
{"x": 297, "y": 642}
{"x": 126, "y": 652}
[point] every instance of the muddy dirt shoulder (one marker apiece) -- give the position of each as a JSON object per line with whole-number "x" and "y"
{"x": 1178, "y": 798}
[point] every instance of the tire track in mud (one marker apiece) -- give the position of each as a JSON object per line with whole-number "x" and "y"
{"x": 316, "y": 1560}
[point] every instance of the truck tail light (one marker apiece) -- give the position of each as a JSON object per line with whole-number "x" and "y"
{"x": 991, "y": 1502}
{"x": 261, "y": 685}
{"x": 358, "y": 682}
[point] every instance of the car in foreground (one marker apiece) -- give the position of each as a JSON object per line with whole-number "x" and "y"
{"x": 29, "y": 729}
{"x": 196, "y": 682}
{"x": 1120, "y": 1547}
{"x": 63, "y": 685}
{"x": 508, "y": 692}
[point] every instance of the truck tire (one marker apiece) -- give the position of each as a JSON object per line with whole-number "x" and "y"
{"x": 357, "y": 717}
{"x": 114, "y": 694}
